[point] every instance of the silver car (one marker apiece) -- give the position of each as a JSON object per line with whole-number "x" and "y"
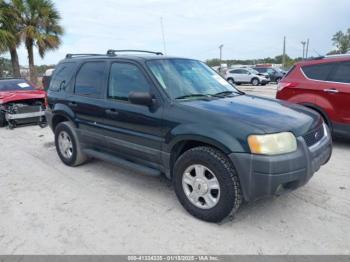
{"x": 246, "y": 76}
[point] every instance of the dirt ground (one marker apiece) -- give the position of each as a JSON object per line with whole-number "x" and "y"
{"x": 49, "y": 208}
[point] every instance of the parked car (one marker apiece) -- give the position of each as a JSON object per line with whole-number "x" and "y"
{"x": 159, "y": 114}
{"x": 275, "y": 74}
{"x": 21, "y": 103}
{"x": 324, "y": 85}
{"x": 246, "y": 76}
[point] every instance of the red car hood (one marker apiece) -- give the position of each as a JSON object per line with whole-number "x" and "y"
{"x": 11, "y": 96}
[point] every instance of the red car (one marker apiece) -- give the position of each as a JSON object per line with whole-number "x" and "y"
{"x": 322, "y": 84}
{"x": 21, "y": 103}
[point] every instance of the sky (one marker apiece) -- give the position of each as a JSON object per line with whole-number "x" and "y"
{"x": 248, "y": 29}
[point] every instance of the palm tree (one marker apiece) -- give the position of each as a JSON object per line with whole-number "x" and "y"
{"x": 9, "y": 37}
{"x": 39, "y": 26}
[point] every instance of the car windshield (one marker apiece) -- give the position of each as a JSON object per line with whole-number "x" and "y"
{"x": 253, "y": 71}
{"x": 15, "y": 85}
{"x": 184, "y": 78}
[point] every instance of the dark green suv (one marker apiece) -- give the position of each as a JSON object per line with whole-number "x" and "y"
{"x": 175, "y": 116}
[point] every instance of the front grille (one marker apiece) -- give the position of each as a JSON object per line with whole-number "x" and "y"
{"x": 314, "y": 136}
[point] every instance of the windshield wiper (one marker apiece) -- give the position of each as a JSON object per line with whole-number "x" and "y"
{"x": 191, "y": 95}
{"x": 226, "y": 93}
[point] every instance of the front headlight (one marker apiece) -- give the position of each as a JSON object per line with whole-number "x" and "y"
{"x": 272, "y": 144}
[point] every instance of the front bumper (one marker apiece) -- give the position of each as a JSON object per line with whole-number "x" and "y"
{"x": 264, "y": 80}
{"x": 262, "y": 176}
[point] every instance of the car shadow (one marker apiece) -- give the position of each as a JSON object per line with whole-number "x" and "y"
{"x": 341, "y": 142}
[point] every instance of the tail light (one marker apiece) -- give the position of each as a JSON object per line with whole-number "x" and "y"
{"x": 282, "y": 85}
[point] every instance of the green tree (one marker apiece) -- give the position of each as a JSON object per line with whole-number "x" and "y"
{"x": 9, "y": 35}
{"x": 342, "y": 41}
{"x": 39, "y": 27}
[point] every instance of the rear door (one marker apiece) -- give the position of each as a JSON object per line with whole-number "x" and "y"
{"x": 87, "y": 103}
{"x": 338, "y": 91}
{"x": 134, "y": 131}
{"x": 331, "y": 84}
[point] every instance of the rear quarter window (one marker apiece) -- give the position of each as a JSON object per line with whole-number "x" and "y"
{"x": 62, "y": 75}
{"x": 318, "y": 72}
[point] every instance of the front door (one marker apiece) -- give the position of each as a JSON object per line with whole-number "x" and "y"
{"x": 134, "y": 131}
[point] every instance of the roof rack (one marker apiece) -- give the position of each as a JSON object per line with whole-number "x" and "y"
{"x": 75, "y": 55}
{"x": 113, "y": 52}
{"x": 338, "y": 55}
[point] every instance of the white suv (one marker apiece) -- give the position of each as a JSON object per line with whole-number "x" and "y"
{"x": 246, "y": 75}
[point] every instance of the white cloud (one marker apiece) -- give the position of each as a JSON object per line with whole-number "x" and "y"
{"x": 247, "y": 28}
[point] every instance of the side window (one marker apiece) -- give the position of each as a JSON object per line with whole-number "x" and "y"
{"x": 62, "y": 75}
{"x": 89, "y": 79}
{"x": 318, "y": 72}
{"x": 125, "y": 78}
{"x": 341, "y": 73}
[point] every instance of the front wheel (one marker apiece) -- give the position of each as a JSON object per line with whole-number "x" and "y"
{"x": 231, "y": 81}
{"x": 206, "y": 184}
{"x": 255, "y": 82}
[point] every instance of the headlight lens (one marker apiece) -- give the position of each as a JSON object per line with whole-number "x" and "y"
{"x": 272, "y": 144}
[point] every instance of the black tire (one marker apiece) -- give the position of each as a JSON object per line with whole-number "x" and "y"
{"x": 230, "y": 191}
{"x": 255, "y": 82}
{"x": 77, "y": 156}
{"x": 2, "y": 119}
{"x": 231, "y": 81}
{"x": 278, "y": 79}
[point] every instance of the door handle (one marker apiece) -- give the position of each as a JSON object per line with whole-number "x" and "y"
{"x": 112, "y": 111}
{"x": 331, "y": 90}
{"x": 73, "y": 104}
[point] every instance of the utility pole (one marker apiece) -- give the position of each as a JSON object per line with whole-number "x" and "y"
{"x": 220, "y": 47}
{"x": 307, "y": 48}
{"x": 303, "y": 43}
{"x": 163, "y": 35}
{"x": 284, "y": 53}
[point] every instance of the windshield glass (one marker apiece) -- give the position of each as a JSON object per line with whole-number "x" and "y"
{"x": 253, "y": 71}
{"x": 15, "y": 85}
{"x": 184, "y": 77}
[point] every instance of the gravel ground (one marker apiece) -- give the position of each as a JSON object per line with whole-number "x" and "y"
{"x": 49, "y": 208}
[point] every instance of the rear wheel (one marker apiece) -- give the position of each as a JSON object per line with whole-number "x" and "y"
{"x": 206, "y": 184}
{"x": 67, "y": 145}
{"x": 255, "y": 82}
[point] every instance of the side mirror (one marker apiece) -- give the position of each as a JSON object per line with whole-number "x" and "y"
{"x": 141, "y": 98}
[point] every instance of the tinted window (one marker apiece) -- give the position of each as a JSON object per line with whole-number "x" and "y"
{"x": 90, "y": 78}
{"x": 62, "y": 75}
{"x": 125, "y": 78}
{"x": 239, "y": 71}
{"x": 318, "y": 72}
{"x": 260, "y": 70}
{"x": 341, "y": 73}
{"x": 15, "y": 84}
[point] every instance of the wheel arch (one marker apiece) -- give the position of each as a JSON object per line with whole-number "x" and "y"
{"x": 187, "y": 143}
{"x": 320, "y": 111}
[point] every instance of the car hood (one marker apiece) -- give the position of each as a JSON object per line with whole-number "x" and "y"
{"x": 11, "y": 96}
{"x": 268, "y": 115}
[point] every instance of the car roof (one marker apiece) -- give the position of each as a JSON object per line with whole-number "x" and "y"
{"x": 134, "y": 57}
{"x": 325, "y": 59}
{"x": 12, "y": 79}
